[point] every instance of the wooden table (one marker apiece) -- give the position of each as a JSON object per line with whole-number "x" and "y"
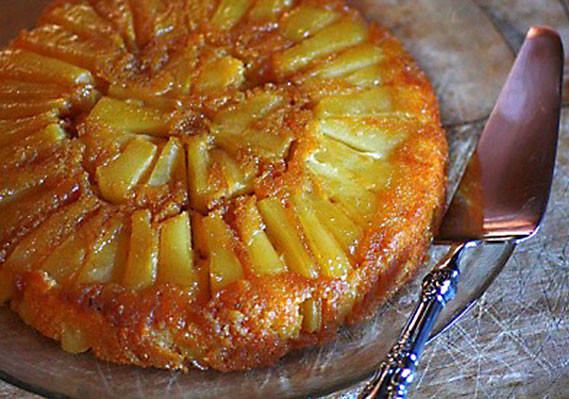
{"x": 515, "y": 342}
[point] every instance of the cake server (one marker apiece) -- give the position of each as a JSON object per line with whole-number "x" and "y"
{"x": 501, "y": 197}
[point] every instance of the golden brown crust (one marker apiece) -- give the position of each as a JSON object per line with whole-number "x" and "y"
{"x": 257, "y": 318}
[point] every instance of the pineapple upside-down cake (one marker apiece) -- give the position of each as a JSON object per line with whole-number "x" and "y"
{"x": 210, "y": 183}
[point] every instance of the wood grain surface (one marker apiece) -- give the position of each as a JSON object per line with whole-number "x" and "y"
{"x": 515, "y": 342}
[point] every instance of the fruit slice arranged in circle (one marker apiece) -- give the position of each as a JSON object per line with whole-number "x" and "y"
{"x": 210, "y": 182}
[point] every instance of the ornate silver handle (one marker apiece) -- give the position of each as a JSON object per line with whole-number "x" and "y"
{"x": 397, "y": 372}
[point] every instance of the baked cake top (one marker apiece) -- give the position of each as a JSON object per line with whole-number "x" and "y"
{"x": 210, "y": 182}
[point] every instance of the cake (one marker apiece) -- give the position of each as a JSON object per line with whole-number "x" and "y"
{"x": 211, "y": 184}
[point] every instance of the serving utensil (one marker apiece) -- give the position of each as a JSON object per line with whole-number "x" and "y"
{"x": 502, "y": 195}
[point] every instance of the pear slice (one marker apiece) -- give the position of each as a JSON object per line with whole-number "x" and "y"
{"x": 331, "y": 257}
{"x": 347, "y": 233}
{"x": 343, "y": 34}
{"x": 235, "y": 180}
{"x": 311, "y": 311}
{"x": 357, "y": 200}
{"x": 283, "y": 233}
{"x": 268, "y": 10}
{"x": 107, "y": 261}
{"x": 171, "y": 163}
{"x": 372, "y": 75}
{"x": 130, "y": 117}
{"x": 237, "y": 118}
{"x": 117, "y": 178}
{"x": 140, "y": 272}
{"x": 82, "y": 20}
{"x": 224, "y": 265}
{"x": 378, "y": 136}
{"x": 102, "y": 143}
{"x": 54, "y": 41}
{"x": 25, "y": 150}
{"x": 12, "y": 130}
{"x": 264, "y": 258}
{"x": 27, "y": 108}
{"x": 176, "y": 262}
{"x": 25, "y": 178}
{"x": 365, "y": 170}
{"x": 153, "y": 18}
{"x": 305, "y": 20}
{"x": 264, "y": 143}
{"x": 234, "y": 132}
{"x": 182, "y": 70}
{"x": 119, "y": 13}
{"x": 371, "y": 102}
{"x": 24, "y": 212}
{"x": 17, "y": 90}
{"x": 35, "y": 247}
{"x": 376, "y": 101}
{"x": 22, "y": 92}
{"x": 198, "y": 166}
{"x": 74, "y": 339}
{"x": 147, "y": 93}
{"x": 222, "y": 73}
{"x": 349, "y": 61}
{"x": 24, "y": 65}
{"x": 228, "y": 13}
{"x": 68, "y": 257}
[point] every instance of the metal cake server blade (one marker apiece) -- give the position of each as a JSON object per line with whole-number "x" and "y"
{"x": 505, "y": 189}
{"x": 502, "y": 195}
